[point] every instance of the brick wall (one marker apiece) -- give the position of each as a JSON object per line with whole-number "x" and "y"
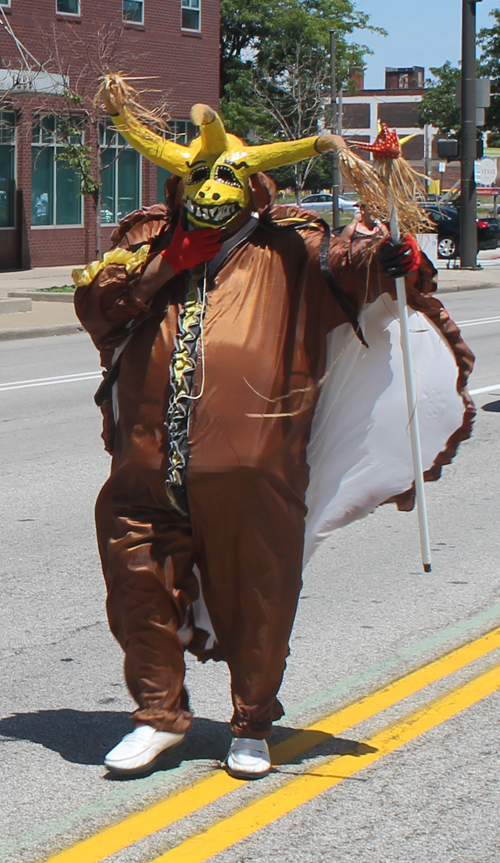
{"x": 183, "y": 66}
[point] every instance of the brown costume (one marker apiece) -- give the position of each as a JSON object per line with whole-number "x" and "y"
{"x": 259, "y": 359}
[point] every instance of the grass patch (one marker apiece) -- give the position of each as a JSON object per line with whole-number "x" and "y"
{"x": 59, "y": 289}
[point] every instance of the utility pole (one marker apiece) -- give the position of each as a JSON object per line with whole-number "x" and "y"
{"x": 468, "y": 203}
{"x": 335, "y": 158}
{"x": 427, "y": 152}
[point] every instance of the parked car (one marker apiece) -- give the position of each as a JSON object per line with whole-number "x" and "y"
{"x": 322, "y": 203}
{"x": 447, "y": 222}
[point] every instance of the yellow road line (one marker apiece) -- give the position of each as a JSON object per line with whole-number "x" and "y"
{"x": 217, "y": 784}
{"x": 386, "y": 697}
{"x": 273, "y": 806}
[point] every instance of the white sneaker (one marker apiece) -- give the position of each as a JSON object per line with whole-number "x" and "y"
{"x": 139, "y": 749}
{"x": 248, "y": 759}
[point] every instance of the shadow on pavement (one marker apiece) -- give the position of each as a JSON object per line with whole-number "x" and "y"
{"x": 78, "y": 736}
{"x": 492, "y": 406}
{"x": 84, "y": 737}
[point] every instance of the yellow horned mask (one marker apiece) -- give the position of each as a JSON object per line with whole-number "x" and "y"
{"x": 216, "y": 166}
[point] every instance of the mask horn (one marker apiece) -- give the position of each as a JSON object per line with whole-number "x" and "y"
{"x": 265, "y": 156}
{"x": 174, "y": 157}
{"x": 212, "y": 132}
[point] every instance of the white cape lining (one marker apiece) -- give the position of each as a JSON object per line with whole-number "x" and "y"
{"x": 359, "y": 452}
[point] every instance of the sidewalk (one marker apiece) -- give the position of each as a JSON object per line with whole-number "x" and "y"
{"x": 56, "y": 316}
{"x": 453, "y": 280}
{"x": 49, "y": 317}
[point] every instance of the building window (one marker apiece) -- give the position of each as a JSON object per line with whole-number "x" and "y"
{"x": 121, "y": 175}
{"x": 7, "y": 168}
{"x": 191, "y": 14}
{"x": 55, "y": 189}
{"x": 68, "y": 7}
{"x": 4, "y": 2}
{"x": 183, "y": 132}
{"x": 133, "y": 10}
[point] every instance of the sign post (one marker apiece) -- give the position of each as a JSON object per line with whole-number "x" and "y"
{"x": 468, "y": 232}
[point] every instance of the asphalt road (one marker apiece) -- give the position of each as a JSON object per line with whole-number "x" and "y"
{"x": 367, "y": 616}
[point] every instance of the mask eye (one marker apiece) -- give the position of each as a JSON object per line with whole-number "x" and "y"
{"x": 198, "y": 175}
{"x": 225, "y": 174}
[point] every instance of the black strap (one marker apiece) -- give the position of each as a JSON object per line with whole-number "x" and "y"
{"x": 110, "y": 378}
{"x": 324, "y": 263}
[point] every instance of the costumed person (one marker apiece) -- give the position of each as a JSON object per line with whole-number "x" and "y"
{"x": 240, "y": 398}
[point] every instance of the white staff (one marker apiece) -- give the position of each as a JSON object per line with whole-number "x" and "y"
{"x": 393, "y": 180}
{"x": 411, "y": 400}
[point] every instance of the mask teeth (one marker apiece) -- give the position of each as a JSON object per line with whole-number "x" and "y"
{"x": 212, "y": 214}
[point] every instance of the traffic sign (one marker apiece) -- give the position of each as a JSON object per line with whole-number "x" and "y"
{"x": 486, "y": 172}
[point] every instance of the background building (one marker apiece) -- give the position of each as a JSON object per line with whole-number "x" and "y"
{"x": 174, "y": 45}
{"x": 398, "y": 106}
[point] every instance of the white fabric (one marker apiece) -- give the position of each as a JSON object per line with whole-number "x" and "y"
{"x": 201, "y": 619}
{"x": 359, "y": 452}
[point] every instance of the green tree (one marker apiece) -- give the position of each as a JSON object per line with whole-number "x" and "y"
{"x": 438, "y": 107}
{"x": 275, "y": 70}
{"x": 489, "y": 67}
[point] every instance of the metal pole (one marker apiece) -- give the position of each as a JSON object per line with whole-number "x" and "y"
{"x": 340, "y": 108}
{"x": 411, "y": 401}
{"x": 468, "y": 230}
{"x": 427, "y": 169}
{"x": 334, "y": 120}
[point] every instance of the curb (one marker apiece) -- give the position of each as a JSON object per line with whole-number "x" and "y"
{"x": 37, "y": 332}
{"x": 41, "y": 296}
{"x": 38, "y": 295}
{"x": 70, "y": 329}
{"x": 455, "y": 289}
{"x": 11, "y": 306}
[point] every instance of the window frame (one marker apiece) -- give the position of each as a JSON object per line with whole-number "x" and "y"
{"x": 12, "y": 143}
{"x": 130, "y": 20}
{"x": 52, "y": 145}
{"x": 186, "y": 4}
{"x": 116, "y": 145}
{"x": 182, "y": 132}
{"x": 71, "y": 14}
{"x": 6, "y": 4}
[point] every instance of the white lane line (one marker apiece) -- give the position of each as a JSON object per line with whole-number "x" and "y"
{"x": 476, "y": 322}
{"x": 89, "y": 376}
{"x": 485, "y": 389}
{"x": 46, "y": 382}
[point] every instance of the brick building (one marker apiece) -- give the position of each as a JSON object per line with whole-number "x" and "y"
{"x": 43, "y": 218}
{"x": 397, "y": 105}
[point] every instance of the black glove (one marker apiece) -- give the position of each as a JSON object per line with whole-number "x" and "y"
{"x": 399, "y": 259}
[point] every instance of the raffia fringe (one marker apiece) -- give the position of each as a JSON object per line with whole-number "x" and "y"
{"x": 375, "y": 183}
{"x": 126, "y": 99}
